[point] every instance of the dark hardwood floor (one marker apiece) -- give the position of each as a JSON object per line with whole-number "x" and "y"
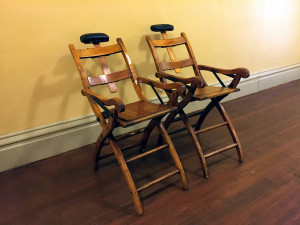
{"x": 265, "y": 189}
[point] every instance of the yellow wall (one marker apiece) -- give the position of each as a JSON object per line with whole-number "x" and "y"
{"x": 39, "y": 83}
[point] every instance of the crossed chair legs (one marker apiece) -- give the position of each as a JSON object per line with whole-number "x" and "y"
{"x": 113, "y": 121}
{"x": 106, "y": 134}
{"x": 215, "y": 102}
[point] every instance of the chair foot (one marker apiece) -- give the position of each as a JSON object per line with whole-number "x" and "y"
{"x": 140, "y": 213}
{"x": 240, "y": 153}
{"x": 205, "y": 175}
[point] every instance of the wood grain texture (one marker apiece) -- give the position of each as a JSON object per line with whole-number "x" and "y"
{"x": 113, "y": 77}
{"x": 176, "y": 86}
{"x": 130, "y": 115}
{"x": 138, "y": 112}
{"x": 212, "y": 92}
{"x": 177, "y": 64}
{"x": 170, "y": 51}
{"x": 194, "y": 80}
{"x": 265, "y": 189}
{"x": 105, "y": 68}
{"x": 169, "y": 42}
{"x": 203, "y": 91}
{"x": 96, "y": 52}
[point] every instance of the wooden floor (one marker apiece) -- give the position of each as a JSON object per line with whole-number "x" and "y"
{"x": 265, "y": 189}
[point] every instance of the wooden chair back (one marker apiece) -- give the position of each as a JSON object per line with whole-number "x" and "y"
{"x": 107, "y": 78}
{"x": 169, "y": 43}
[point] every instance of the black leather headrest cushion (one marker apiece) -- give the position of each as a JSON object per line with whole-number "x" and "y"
{"x": 94, "y": 38}
{"x": 162, "y": 27}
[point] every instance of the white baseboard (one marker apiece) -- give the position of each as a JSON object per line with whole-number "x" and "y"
{"x": 21, "y": 148}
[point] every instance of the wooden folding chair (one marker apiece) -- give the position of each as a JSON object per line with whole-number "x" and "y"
{"x": 126, "y": 115}
{"x": 198, "y": 90}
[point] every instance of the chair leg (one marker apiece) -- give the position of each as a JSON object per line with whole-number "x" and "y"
{"x": 147, "y": 134}
{"x": 215, "y": 102}
{"x": 167, "y": 123}
{"x": 230, "y": 128}
{"x": 172, "y": 115}
{"x": 195, "y": 140}
{"x": 173, "y": 153}
{"x": 127, "y": 175}
{"x": 207, "y": 110}
{"x": 203, "y": 115}
{"x": 99, "y": 145}
{"x": 106, "y": 131}
{"x": 191, "y": 131}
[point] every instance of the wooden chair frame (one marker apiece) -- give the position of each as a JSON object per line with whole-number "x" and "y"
{"x": 109, "y": 119}
{"x": 198, "y": 90}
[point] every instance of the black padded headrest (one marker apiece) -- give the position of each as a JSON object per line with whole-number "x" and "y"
{"x": 94, "y": 38}
{"x": 162, "y": 27}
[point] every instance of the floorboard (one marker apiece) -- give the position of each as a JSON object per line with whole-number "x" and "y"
{"x": 265, "y": 189}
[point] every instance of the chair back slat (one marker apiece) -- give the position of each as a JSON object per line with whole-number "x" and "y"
{"x": 108, "y": 78}
{"x": 177, "y": 64}
{"x": 173, "y": 65}
{"x": 169, "y": 42}
{"x": 96, "y": 52}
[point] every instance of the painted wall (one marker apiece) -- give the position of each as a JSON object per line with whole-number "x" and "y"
{"x": 40, "y": 84}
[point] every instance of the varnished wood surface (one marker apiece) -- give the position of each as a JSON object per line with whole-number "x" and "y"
{"x": 215, "y": 94}
{"x": 196, "y": 79}
{"x": 137, "y": 112}
{"x": 104, "y": 79}
{"x": 265, "y": 189}
{"x": 134, "y": 113}
{"x": 211, "y": 92}
{"x": 112, "y": 86}
{"x": 169, "y": 42}
{"x": 170, "y": 51}
{"x": 103, "y": 51}
{"x": 177, "y": 64}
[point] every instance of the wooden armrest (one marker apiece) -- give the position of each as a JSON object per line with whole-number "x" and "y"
{"x": 242, "y": 72}
{"x": 190, "y": 80}
{"x": 175, "y": 85}
{"x": 119, "y": 105}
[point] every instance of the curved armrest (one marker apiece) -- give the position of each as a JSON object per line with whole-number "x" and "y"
{"x": 176, "y": 85}
{"x": 236, "y": 74}
{"x": 119, "y": 105}
{"x": 190, "y": 80}
{"x": 242, "y": 72}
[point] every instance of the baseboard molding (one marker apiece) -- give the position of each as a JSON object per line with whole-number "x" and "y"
{"x": 21, "y": 148}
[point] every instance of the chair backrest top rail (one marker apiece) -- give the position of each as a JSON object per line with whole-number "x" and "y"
{"x": 97, "y": 52}
{"x": 169, "y": 42}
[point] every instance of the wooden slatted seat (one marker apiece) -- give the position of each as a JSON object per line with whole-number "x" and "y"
{"x": 126, "y": 115}
{"x": 141, "y": 111}
{"x": 198, "y": 90}
{"x": 208, "y": 92}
